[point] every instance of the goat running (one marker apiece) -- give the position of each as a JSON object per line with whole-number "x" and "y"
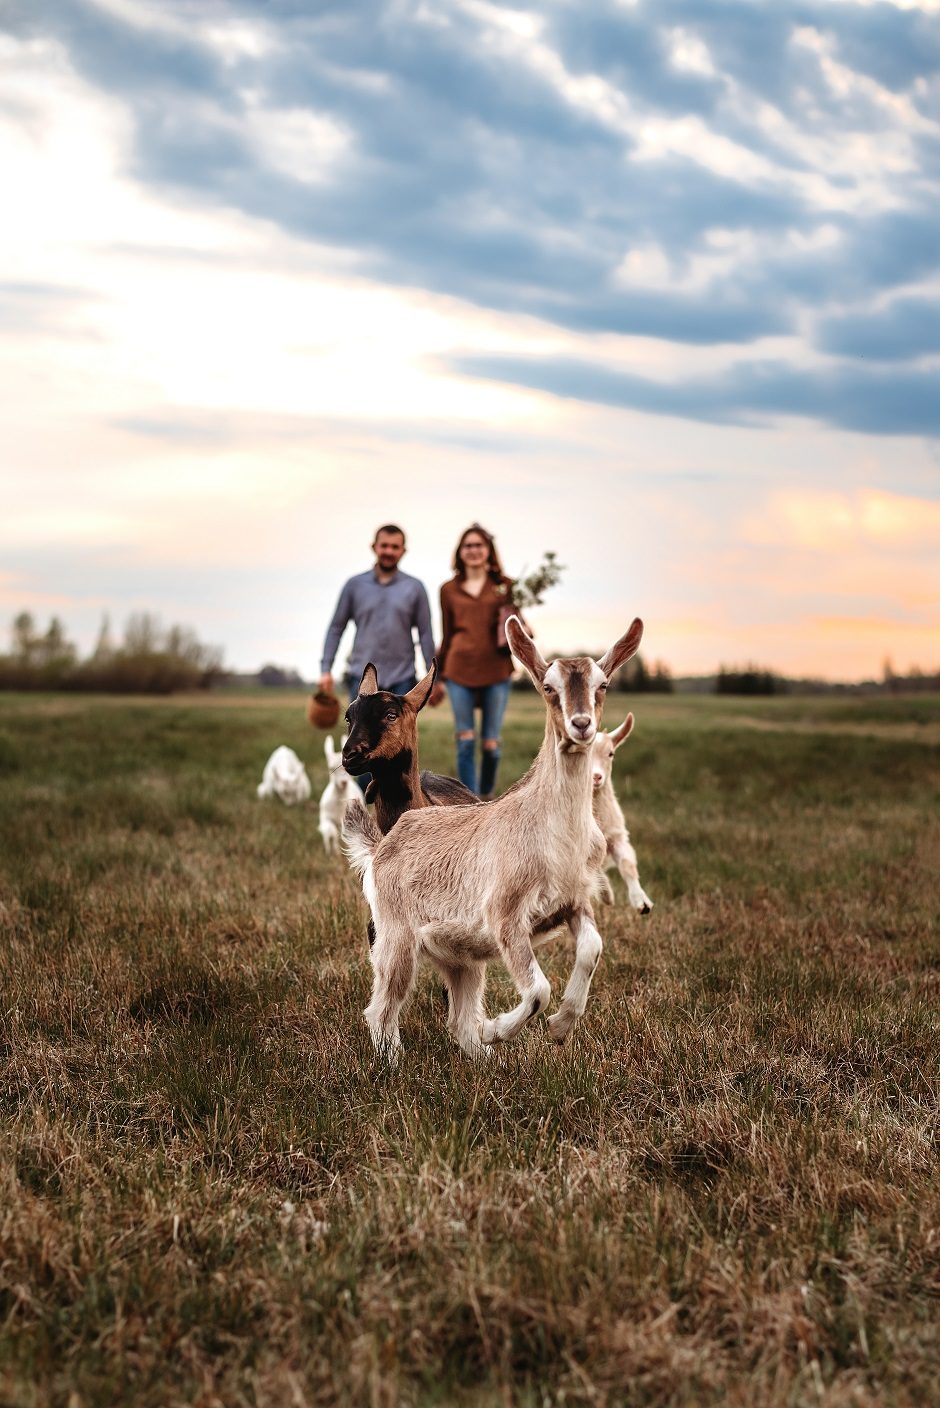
{"x": 609, "y": 817}
{"x": 464, "y": 885}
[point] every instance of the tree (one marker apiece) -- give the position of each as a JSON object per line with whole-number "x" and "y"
{"x": 24, "y": 638}
{"x": 143, "y": 634}
{"x": 52, "y": 649}
{"x": 661, "y": 679}
{"x": 750, "y": 680}
{"x": 104, "y": 646}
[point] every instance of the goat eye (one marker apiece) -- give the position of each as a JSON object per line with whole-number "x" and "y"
{"x": 391, "y": 716}
{"x": 550, "y": 693}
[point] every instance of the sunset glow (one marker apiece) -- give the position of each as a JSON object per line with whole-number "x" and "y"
{"x": 656, "y": 289}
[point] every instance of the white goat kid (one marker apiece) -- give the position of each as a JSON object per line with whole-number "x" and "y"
{"x": 463, "y": 885}
{"x": 284, "y": 776}
{"x": 609, "y": 817}
{"x": 340, "y": 792}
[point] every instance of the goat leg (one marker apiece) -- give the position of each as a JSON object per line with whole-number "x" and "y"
{"x": 395, "y": 963}
{"x": 466, "y": 1016}
{"x": 588, "y": 949}
{"x": 531, "y": 983}
{"x": 625, "y": 856}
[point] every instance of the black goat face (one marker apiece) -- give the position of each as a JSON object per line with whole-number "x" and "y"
{"x": 378, "y": 730}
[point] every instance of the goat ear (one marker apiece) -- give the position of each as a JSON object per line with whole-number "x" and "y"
{"x": 620, "y": 652}
{"x": 369, "y": 684}
{"x": 421, "y": 693}
{"x": 621, "y": 734}
{"x": 523, "y": 647}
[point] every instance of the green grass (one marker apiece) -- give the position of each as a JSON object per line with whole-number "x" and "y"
{"x": 725, "y": 1189}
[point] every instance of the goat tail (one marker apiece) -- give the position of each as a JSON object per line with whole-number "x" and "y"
{"x": 361, "y": 836}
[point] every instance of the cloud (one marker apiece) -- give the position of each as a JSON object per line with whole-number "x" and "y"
{"x": 29, "y": 309}
{"x": 232, "y": 430}
{"x": 504, "y": 157}
{"x": 850, "y": 397}
{"x": 906, "y": 328}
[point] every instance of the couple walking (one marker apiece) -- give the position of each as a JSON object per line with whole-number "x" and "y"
{"x": 385, "y": 605}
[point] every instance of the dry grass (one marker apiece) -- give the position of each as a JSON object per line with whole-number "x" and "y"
{"x": 724, "y": 1190}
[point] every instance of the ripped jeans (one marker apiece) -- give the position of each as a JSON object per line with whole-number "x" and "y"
{"x": 491, "y": 699}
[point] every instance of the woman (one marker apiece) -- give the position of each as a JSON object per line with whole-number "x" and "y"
{"x": 474, "y": 669}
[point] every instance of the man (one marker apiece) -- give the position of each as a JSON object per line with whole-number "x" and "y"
{"x": 385, "y": 605}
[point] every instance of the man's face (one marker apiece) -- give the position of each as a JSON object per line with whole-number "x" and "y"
{"x": 389, "y": 548}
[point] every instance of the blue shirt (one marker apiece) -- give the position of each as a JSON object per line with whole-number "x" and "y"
{"x": 384, "y": 614}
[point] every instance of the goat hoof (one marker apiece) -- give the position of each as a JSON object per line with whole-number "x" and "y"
{"x": 497, "y": 1030}
{"x": 646, "y": 909}
{"x": 558, "y": 1028}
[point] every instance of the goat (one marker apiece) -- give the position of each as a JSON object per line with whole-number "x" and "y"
{"x": 464, "y": 885}
{"x": 383, "y": 740}
{"x": 340, "y": 792}
{"x": 609, "y": 817}
{"x": 285, "y": 776}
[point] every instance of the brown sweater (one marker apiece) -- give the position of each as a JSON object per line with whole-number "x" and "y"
{"x": 468, "y": 653}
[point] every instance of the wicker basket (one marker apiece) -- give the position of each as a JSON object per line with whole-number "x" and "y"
{"x": 323, "y": 709}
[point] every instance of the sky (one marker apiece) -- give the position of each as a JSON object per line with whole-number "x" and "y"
{"x": 653, "y": 285}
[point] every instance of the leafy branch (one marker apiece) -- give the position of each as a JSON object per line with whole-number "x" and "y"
{"x": 528, "y": 590}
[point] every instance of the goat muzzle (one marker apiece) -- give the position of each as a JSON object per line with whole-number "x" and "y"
{"x": 355, "y": 763}
{"x": 581, "y": 728}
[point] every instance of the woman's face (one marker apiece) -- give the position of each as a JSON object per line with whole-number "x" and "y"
{"x": 474, "y": 551}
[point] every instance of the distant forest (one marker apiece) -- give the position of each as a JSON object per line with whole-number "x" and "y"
{"x": 149, "y": 659}
{"x": 153, "y": 659}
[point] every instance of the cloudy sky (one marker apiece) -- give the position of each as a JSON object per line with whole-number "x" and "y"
{"x": 654, "y": 285}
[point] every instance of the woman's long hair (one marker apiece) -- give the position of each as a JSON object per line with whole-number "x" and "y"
{"x": 494, "y": 567}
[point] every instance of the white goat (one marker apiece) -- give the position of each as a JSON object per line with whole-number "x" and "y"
{"x": 462, "y": 885}
{"x": 284, "y": 776}
{"x": 609, "y": 817}
{"x": 340, "y": 792}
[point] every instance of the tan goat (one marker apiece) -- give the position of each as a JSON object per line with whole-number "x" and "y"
{"x": 609, "y": 817}
{"x": 463, "y": 885}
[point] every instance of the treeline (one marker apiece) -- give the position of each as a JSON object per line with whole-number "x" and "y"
{"x": 752, "y": 679}
{"x": 916, "y": 681}
{"x": 749, "y": 680}
{"x": 149, "y": 659}
{"x": 637, "y": 677}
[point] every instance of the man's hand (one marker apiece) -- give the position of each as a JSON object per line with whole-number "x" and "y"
{"x": 437, "y": 694}
{"x": 326, "y": 683}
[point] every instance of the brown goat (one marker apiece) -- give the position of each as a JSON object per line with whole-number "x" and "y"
{"x": 383, "y": 740}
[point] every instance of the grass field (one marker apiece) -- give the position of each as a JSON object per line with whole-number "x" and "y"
{"x": 725, "y": 1189}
